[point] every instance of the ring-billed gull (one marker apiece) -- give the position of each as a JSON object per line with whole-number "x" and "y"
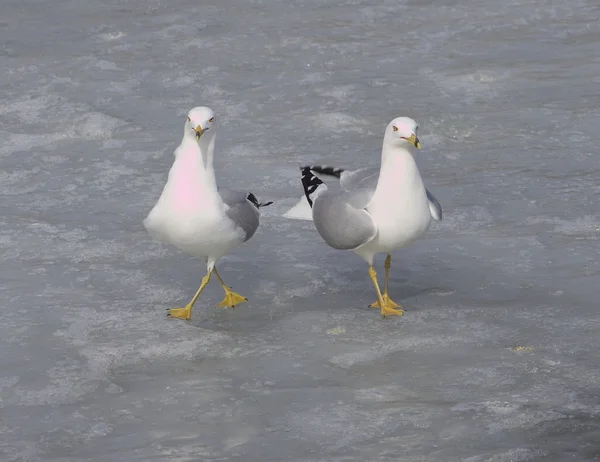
{"x": 378, "y": 209}
{"x": 197, "y": 217}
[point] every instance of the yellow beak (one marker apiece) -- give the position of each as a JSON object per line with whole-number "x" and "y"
{"x": 414, "y": 141}
{"x": 199, "y": 132}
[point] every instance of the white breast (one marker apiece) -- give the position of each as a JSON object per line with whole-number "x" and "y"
{"x": 399, "y": 206}
{"x": 189, "y": 213}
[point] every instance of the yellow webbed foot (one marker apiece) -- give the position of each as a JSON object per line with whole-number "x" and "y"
{"x": 231, "y": 299}
{"x": 387, "y": 301}
{"x": 389, "y": 307}
{"x": 181, "y": 313}
{"x": 389, "y": 311}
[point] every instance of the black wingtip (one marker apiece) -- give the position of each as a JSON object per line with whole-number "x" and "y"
{"x": 252, "y": 198}
{"x": 310, "y": 183}
{"x": 326, "y": 170}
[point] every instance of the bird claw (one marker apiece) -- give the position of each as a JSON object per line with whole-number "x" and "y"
{"x": 231, "y": 300}
{"x": 180, "y": 313}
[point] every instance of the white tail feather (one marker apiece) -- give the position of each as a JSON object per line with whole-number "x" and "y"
{"x": 300, "y": 211}
{"x": 313, "y": 186}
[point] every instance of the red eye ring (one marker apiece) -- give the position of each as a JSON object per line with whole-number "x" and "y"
{"x": 395, "y": 128}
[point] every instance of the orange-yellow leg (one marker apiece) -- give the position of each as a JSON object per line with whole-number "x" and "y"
{"x": 231, "y": 298}
{"x": 186, "y": 311}
{"x": 384, "y": 302}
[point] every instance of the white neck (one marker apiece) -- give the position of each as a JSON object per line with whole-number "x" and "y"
{"x": 206, "y": 146}
{"x": 392, "y": 148}
{"x": 399, "y": 171}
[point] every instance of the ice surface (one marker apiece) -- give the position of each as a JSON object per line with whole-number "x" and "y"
{"x": 496, "y": 358}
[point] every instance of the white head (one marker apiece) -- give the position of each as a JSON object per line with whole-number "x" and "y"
{"x": 402, "y": 132}
{"x": 199, "y": 120}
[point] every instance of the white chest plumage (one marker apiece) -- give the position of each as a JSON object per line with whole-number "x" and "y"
{"x": 399, "y": 206}
{"x": 189, "y": 213}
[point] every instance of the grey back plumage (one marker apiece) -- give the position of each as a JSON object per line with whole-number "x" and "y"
{"x": 367, "y": 178}
{"x": 434, "y": 206}
{"x": 243, "y": 212}
{"x": 340, "y": 216}
{"x": 364, "y": 178}
{"x": 342, "y": 221}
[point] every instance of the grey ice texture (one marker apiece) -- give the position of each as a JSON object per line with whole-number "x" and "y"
{"x": 94, "y": 97}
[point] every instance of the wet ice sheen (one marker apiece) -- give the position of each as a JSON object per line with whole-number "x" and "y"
{"x": 505, "y": 96}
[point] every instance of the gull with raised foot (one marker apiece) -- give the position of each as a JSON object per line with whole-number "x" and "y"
{"x": 374, "y": 210}
{"x": 197, "y": 217}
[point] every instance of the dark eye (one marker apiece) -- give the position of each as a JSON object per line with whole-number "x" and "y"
{"x": 189, "y": 120}
{"x": 395, "y": 128}
{"x": 212, "y": 119}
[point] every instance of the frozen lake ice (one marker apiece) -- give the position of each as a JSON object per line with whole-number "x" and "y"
{"x": 496, "y": 358}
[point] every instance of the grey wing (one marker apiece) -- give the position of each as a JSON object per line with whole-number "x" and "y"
{"x": 241, "y": 211}
{"x": 364, "y": 178}
{"x": 360, "y": 184}
{"x": 434, "y": 206}
{"x": 341, "y": 221}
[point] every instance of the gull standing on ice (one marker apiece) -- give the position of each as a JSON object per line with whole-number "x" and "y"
{"x": 377, "y": 210}
{"x": 196, "y": 216}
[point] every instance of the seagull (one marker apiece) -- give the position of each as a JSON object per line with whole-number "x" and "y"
{"x": 197, "y": 217}
{"x": 379, "y": 209}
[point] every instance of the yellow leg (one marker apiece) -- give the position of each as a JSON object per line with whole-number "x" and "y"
{"x": 231, "y": 298}
{"x": 386, "y": 310}
{"x": 386, "y": 298}
{"x": 186, "y": 311}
